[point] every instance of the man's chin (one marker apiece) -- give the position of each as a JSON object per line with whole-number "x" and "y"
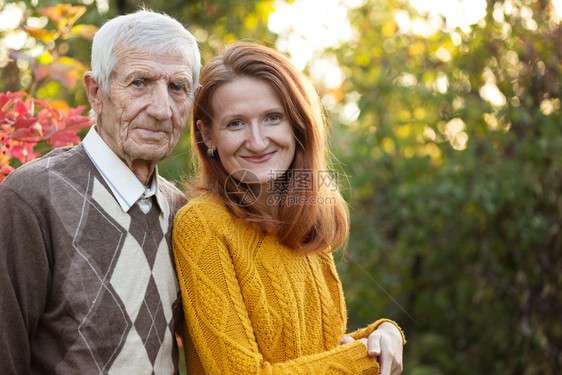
{"x": 150, "y": 154}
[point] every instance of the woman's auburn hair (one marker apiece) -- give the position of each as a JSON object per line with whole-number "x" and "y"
{"x": 321, "y": 222}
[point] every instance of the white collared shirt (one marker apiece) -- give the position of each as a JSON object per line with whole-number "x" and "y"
{"x": 124, "y": 185}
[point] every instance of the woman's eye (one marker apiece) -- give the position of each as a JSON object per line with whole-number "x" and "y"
{"x": 274, "y": 118}
{"x": 137, "y": 83}
{"x": 235, "y": 124}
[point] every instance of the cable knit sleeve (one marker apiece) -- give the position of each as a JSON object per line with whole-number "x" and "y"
{"x": 219, "y": 336}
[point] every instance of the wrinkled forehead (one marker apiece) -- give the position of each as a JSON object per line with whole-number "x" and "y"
{"x": 128, "y": 55}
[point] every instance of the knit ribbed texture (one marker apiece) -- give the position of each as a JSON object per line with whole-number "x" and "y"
{"x": 254, "y": 306}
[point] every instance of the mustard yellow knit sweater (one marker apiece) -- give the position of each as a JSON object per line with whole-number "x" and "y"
{"x": 254, "y": 306}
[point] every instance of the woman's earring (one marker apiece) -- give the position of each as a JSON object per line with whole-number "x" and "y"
{"x": 210, "y": 153}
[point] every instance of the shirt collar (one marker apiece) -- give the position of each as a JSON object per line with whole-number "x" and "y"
{"x": 124, "y": 185}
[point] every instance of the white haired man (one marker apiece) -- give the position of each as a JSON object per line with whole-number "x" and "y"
{"x": 87, "y": 279}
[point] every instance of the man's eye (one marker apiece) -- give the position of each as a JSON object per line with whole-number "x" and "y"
{"x": 137, "y": 82}
{"x": 176, "y": 87}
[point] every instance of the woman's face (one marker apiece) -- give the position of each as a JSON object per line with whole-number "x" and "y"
{"x": 250, "y": 131}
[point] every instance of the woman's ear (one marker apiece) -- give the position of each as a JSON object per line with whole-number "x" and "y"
{"x": 94, "y": 92}
{"x": 205, "y": 134}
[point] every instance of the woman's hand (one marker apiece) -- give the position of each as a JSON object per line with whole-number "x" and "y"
{"x": 385, "y": 344}
{"x": 346, "y": 340}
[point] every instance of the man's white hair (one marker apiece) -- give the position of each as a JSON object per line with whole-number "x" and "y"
{"x": 144, "y": 30}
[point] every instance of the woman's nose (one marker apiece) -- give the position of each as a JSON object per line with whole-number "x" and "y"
{"x": 257, "y": 138}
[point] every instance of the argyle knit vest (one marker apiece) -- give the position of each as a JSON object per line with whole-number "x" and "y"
{"x": 105, "y": 295}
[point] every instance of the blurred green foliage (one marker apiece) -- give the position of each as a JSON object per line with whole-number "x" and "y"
{"x": 456, "y": 202}
{"x": 455, "y": 199}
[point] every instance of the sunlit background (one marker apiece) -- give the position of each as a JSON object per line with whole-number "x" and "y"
{"x": 446, "y": 131}
{"x": 307, "y": 28}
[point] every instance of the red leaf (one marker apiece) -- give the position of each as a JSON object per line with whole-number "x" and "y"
{"x": 24, "y": 122}
{"x": 77, "y": 122}
{"x": 5, "y": 168}
{"x": 21, "y": 109}
{"x": 48, "y": 111}
{"x": 20, "y": 130}
{"x": 29, "y": 134}
{"x": 64, "y": 139}
{"x": 7, "y": 99}
{"x": 23, "y": 152}
{"x": 76, "y": 111}
{"x": 21, "y": 134}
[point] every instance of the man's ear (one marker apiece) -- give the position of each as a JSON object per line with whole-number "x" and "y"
{"x": 93, "y": 91}
{"x": 205, "y": 134}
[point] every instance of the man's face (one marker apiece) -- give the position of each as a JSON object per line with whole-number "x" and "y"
{"x": 148, "y": 106}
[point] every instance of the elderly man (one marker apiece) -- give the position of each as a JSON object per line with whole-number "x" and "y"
{"x": 87, "y": 280}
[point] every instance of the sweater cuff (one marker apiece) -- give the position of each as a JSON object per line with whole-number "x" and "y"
{"x": 360, "y": 361}
{"x": 349, "y": 358}
{"x": 365, "y": 332}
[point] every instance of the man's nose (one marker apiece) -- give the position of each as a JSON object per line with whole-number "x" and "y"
{"x": 159, "y": 106}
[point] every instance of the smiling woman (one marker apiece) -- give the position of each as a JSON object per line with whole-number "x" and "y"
{"x": 260, "y": 290}
{"x": 251, "y": 132}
